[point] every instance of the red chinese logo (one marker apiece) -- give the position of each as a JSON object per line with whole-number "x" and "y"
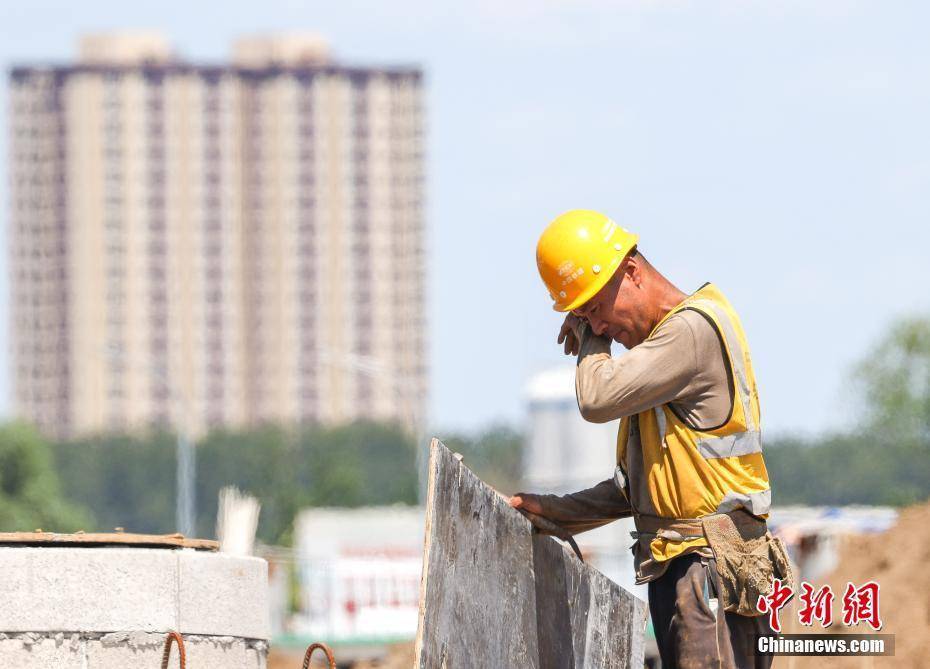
{"x": 861, "y": 605}
{"x": 816, "y": 605}
{"x": 773, "y": 602}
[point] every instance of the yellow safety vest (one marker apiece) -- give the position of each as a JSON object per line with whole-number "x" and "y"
{"x": 688, "y": 472}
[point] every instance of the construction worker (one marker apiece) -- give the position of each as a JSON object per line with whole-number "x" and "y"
{"x": 689, "y": 465}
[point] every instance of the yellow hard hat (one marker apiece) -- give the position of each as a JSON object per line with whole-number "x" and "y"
{"x": 578, "y": 253}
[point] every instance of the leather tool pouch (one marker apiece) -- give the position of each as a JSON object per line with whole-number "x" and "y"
{"x": 748, "y": 558}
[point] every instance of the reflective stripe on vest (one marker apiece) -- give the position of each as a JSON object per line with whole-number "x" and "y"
{"x": 757, "y": 502}
{"x": 737, "y": 359}
{"x": 742, "y": 443}
{"x": 663, "y": 425}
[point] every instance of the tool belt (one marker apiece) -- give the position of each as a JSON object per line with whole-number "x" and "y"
{"x": 746, "y": 554}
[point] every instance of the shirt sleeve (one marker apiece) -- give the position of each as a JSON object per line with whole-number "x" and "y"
{"x": 587, "y": 509}
{"x": 653, "y": 373}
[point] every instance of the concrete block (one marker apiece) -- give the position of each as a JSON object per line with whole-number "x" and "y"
{"x": 136, "y": 649}
{"x": 110, "y": 608}
{"x": 33, "y": 651}
{"x": 125, "y": 649}
{"x": 223, "y": 595}
{"x": 88, "y": 589}
{"x": 222, "y": 652}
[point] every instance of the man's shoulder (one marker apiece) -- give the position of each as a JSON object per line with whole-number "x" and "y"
{"x": 691, "y": 333}
{"x": 689, "y": 323}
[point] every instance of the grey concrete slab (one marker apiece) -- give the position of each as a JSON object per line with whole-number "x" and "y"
{"x": 493, "y": 594}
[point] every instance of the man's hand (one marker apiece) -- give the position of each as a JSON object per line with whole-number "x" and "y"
{"x": 527, "y": 502}
{"x": 570, "y": 334}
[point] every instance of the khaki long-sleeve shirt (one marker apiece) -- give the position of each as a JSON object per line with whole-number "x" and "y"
{"x": 681, "y": 364}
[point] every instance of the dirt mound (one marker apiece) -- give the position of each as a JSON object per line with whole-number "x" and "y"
{"x": 899, "y": 561}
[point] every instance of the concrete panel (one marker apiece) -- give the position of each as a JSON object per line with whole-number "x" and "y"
{"x": 223, "y": 595}
{"x": 493, "y": 594}
{"x": 88, "y": 589}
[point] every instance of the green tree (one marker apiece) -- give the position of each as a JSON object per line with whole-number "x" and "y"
{"x": 362, "y": 464}
{"x": 885, "y": 457}
{"x": 894, "y": 390}
{"x": 260, "y": 462}
{"x": 355, "y": 465}
{"x": 128, "y": 481}
{"x": 893, "y": 384}
{"x": 838, "y": 469}
{"x": 494, "y": 454}
{"x": 30, "y": 496}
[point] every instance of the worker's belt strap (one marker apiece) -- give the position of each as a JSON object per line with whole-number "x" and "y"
{"x": 746, "y": 556}
{"x": 685, "y": 529}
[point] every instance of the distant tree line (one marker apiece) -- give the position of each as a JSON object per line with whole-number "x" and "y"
{"x": 109, "y": 481}
{"x": 130, "y": 481}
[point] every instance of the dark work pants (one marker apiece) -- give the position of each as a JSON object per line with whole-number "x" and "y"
{"x": 688, "y": 634}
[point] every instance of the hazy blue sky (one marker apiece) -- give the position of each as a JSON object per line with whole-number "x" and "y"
{"x": 779, "y": 149}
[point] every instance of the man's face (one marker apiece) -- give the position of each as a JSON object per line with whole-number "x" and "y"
{"x": 617, "y": 310}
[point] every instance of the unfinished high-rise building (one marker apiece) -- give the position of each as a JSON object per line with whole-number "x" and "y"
{"x": 197, "y": 246}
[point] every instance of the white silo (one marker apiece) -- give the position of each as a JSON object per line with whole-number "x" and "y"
{"x": 564, "y": 452}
